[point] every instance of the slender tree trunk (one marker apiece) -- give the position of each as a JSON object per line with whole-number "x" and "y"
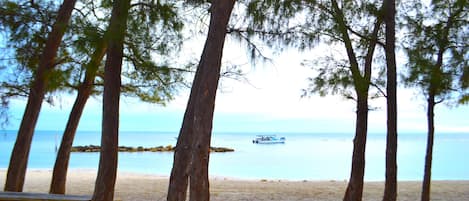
{"x": 355, "y": 186}
{"x": 19, "y": 157}
{"x": 177, "y": 189}
{"x": 107, "y": 172}
{"x": 390, "y": 189}
{"x": 209, "y": 66}
{"x": 427, "y": 177}
{"x": 191, "y": 156}
{"x": 59, "y": 175}
{"x": 432, "y": 93}
{"x": 361, "y": 83}
{"x": 436, "y": 71}
{"x": 431, "y": 122}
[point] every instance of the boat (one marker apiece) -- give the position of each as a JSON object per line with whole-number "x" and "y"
{"x": 268, "y": 139}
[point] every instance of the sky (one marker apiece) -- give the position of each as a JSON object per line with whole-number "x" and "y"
{"x": 269, "y": 102}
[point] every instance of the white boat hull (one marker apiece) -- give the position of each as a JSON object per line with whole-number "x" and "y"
{"x": 268, "y": 140}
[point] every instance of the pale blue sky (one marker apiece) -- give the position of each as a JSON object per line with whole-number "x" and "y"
{"x": 269, "y": 103}
{"x": 138, "y": 116}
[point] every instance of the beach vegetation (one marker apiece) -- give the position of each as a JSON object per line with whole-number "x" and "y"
{"x": 351, "y": 27}
{"x": 437, "y": 54}
{"x": 155, "y": 30}
{"x": 390, "y": 184}
{"x": 107, "y": 171}
{"x": 126, "y": 48}
{"x": 152, "y": 29}
{"x": 191, "y": 155}
{"x": 44, "y": 69}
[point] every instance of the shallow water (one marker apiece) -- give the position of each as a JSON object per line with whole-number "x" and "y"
{"x": 308, "y": 156}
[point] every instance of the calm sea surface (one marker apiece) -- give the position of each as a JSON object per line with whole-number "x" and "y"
{"x": 303, "y": 156}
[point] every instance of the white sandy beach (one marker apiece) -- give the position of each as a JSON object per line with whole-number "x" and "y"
{"x": 151, "y": 187}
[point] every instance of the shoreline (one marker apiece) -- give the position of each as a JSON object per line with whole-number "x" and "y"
{"x": 90, "y": 171}
{"x": 139, "y": 186}
{"x": 304, "y": 156}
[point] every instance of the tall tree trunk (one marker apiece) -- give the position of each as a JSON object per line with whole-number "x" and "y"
{"x": 59, "y": 175}
{"x": 432, "y": 93}
{"x": 209, "y": 66}
{"x": 177, "y": 189}
{"x": 355, "y": 186}
{"x": 107, "y": 172}
{"x": 429, "y": 153}
{"x": 19, "y": 157}
{"x": 390, "y": 189}
{"x": 361, "y": 84}
{"x": 191, "y": 156}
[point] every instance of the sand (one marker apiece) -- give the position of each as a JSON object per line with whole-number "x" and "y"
{"x": 152, "y": 187}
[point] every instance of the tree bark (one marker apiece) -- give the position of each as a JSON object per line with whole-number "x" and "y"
{"x": 209, "y": 66}
{"x": 432, "y": 92}
{"x": 355, "y": 186}
{"x": 19, "y": 158}
{"x": 191, "y": 156}
{"x": 59, "y": 174}
{"x": 431, "y": 103}
{"x": 390, "y": 189}
{"x": 177, "y": 189}
{"x": 361, "y": 84}
{"x": 107, "y": 172}
{"x": 429, "y": 152}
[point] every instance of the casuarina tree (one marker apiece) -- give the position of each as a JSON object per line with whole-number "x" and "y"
{"x": 155, "y": 30}
{"x": 390, "y": 187}
{"x": 438, "y": 60}
{"x": 19, "y": 158}
{"x": 107, "y": 172}
{"x": 354, "y": 27}
{"x": 24, "y": 26}
{"x": 191, "y": 157}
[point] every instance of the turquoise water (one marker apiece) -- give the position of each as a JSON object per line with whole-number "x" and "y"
{"x": 303, "y": 156}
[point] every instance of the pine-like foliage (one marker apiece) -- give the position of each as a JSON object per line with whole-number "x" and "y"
{"x": 437, "y": 49}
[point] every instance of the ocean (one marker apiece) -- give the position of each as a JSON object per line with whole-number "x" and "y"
{"x": 304, "y": 156}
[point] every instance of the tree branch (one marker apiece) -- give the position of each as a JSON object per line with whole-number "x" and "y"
{"x": 363, "y": 36}
{"x": 379, "y": 89}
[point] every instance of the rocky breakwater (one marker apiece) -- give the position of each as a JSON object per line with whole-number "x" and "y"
{"x": 95, "y": 148}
